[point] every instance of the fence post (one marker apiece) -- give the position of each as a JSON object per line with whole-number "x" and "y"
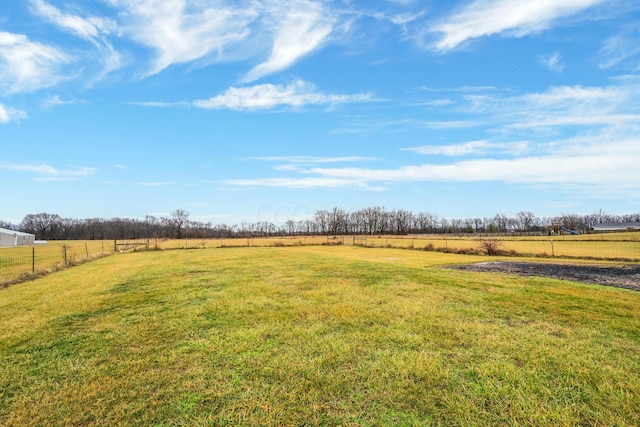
{"x": 553, "y": 253}
{"x": 86, "y": 250}
{"x": 33, "y": 260}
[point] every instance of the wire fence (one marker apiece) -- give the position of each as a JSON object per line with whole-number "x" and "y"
{"x": 623, "y": 246}
{"x": 17, "y": 263}
{"x": 628, "y": 250}
{"x": 21, "y": 262}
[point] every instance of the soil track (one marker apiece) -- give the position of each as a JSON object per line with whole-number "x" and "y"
{"x": 627, "y": 276}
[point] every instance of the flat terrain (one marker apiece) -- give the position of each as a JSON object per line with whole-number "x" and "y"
{"x": 314, "y": 336}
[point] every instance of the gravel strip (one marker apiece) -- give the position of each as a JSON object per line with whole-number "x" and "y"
{"x": 627, "y": 277}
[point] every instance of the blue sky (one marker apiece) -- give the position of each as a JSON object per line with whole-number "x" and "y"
{"x": 268, "y": 110}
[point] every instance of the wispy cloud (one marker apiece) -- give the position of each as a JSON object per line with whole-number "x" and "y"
{"x": 304, "y": 26}
{"x": 92, "y": 29}
{"x": 87, "y": 28}
{"x": 591, "y": 145}
{"x": 27, "y": 66}
{"x": 551, "y": 62}
{"x": 620, "y": 48}
{"x": 602, "y": 168}
{"x": 613, "y": 166}
{"x": 556, "y": 108}
{"x": 180, "y": 31}
{"x": 475, "y": 148}
{"x": 267, "y": 96}
{"x": 45, "y": 172}
{"x": 506, "y": 17}
{"x": 8, "y": 114}
{"x": 371, "y": 126}
{"x": 55, "y": 100}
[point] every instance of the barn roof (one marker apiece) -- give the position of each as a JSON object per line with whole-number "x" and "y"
{"x": 14, "y": 232}
{"x": 617, "y": 226}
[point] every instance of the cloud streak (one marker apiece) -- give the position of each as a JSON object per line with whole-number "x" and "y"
{"x": 45, "y": 172}
{"x": 304, "y": 27}
{"x": 600, "y": 157}
{"x": 505, "y": 17}
{"x": 480, "y": 147}
{"x": 267, "y": 96}
{"x": 8, "y": 114}
{"x": 180, "y": 31}
{"x": 92, "y": 29}
{"x": 27, "y": 66}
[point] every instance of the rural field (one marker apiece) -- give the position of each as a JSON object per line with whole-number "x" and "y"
{"x": 19, "y": 263}
{"x": 314, "y": 335}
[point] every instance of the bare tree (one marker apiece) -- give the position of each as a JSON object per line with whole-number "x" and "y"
{"x": 526, "y": 220}
{"x": 43, "y": 225}
{"x": 179, "y": 219}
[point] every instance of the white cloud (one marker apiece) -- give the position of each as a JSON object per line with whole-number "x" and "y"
{"x": 8, "y": 114}
{"x": 472, "y": 148}
{"x": 603, "y": 171}
{"x": 86, "y": 28}
{"x": 304, "y": 27}
{"x": 620, "y": 48}
{"x": 558, "y": 107}
{"x": 507, "y": 17}
{"x": 405, "y": 18}
{"x": 55, "y": 100}
{"x": 536, "y": 145}
{"x": 574, "y": 106}
{"x": 47, "y": 172}
{"x": 181, "y": 31}
{"x": 600, "y": 168}
{"x": 93, "y": 29}
{"x": 27, "y": 66}
{"x": 267, "y": 96}
{"x": 552, "y": 62}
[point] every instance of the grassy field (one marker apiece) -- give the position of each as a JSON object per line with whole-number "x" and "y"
{"x": 17, "y": 262}
{"x": 314, "y": 336}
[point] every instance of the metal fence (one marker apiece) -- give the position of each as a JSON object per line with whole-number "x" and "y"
{"x": 606, "y": 247}
{"x": 28, "y": 261}
{"x": 620, "y": 249}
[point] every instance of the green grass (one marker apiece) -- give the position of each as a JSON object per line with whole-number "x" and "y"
{"x": 314, "y": 336}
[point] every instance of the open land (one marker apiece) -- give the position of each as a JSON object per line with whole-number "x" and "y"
{"x": 315, "y": 335}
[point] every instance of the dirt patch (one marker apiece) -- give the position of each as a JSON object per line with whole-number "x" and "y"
{"x": 627, "y": 276}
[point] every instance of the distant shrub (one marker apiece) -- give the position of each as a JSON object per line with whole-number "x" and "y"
{"x": 491, "y": 247}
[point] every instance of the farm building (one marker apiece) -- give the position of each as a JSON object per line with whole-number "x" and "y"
{"x": 15, "y": 238}
{"x": 617, "y": 226}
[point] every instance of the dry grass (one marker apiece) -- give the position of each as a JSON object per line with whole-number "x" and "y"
{"x": 313, "y": 336}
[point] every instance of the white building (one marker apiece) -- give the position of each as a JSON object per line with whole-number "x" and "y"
{"x": 622, "y": 226}
{"x": 15, "y": 238}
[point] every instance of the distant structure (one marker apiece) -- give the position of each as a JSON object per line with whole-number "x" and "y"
{"x": 15, "y": 238}
{"x": 617, "y": 226}
{"x": 559, "y": 229}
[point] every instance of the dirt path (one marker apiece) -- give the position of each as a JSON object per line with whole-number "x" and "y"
{"x": 627, "y": 276}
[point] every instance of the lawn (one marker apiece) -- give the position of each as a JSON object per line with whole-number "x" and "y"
{"x": 314, "y": 335}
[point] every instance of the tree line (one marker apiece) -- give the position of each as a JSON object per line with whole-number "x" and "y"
{"x": 374, "y": 220}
